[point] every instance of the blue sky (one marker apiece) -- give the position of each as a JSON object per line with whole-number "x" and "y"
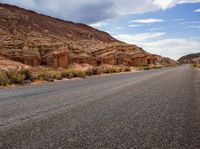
{"x": 172, "y": 32}
{"x": 167, "y": 27}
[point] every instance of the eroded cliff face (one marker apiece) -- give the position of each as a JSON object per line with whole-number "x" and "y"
{"x": 35, "y": 39}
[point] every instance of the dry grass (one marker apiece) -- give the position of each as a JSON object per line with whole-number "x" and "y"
{"x": 196, "y": 66}
{"x": 47, "y": 74}
{"x": 70, "y": 73}
{"x": 106, "y": 70}
{"x": 14, "y": 77}
{"x": 151, "y": 67}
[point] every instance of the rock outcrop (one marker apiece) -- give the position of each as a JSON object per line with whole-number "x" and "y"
{"x": 190, "y": 59}
{"x": 36, "y": 39}
{"x": 7, "y": 65}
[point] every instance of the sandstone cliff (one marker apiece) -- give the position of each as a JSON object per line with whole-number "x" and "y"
{"x": 35, "y": 39}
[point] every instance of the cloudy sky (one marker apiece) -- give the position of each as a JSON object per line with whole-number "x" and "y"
{"x": 166, "y": 27}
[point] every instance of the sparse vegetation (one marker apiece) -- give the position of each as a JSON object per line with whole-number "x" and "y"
{"x": 14, "y": 77}
{"x": 19, "y": 77}
{"x": 150, "y": 67}
{"x": 4, "y": 80}
{"x": 106, "y": 70}
{"x": 70, "y": 73}
{"x": 48, "y": 75}
{"x": 196, "y": 66}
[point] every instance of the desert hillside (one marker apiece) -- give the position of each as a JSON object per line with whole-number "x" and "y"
{"x": 35, "y": 39}
{"x": 190, "y": 59}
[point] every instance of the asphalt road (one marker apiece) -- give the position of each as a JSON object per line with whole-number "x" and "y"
{"x": 150, "y": 109}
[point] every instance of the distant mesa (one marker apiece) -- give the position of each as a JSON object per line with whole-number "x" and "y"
{"x": 190, "y": 59}
{"x": 34, "y": 39}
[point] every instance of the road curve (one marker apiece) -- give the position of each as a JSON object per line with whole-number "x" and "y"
{"x": 150, "y": 109}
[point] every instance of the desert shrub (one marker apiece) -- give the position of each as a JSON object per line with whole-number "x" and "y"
{"x": 146, "y": 68}
{"x": 115, "y": 69}
{"x": 97, "y": 71}
{"x": 67, "y": 74}
{"x": 93, "y": 71}
{"x": 70, "y": 73}
{"x": 4, "y": 80}
{"x": 12, "y": 75}
{"x": 125, "y": 68}
{"x": 78, "y": 73}
{"x": 27, "y": 73}
{"x": 156, "y": 67}
{"x": 196, "y": 65}
{"x": 106, "y": 69}
{"x": 89, "y": 72}
{"x": 58, "y": 76}
{"x": 49, "y": 75}
{"x": 16, "y": 77}
{"x": 20, "y": 78}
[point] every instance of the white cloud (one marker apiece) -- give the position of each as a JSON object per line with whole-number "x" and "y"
{"x": 178, "y": 19}
{"x": 189, "y": 22}
{"x": 164, "y": 4}
{"x": 195, "y": 26}
{"x": 134, "y": 25}
{"x": 119, "y": 28}
{"x": 198, "y": 10}
{"x": 90, "y": 11}
{"x": 172, "y": 47}
{"x": 135, "y": 39}
{"x": 99, "y": 24}
{"x": 147, "y": 21}
{"x": 157, "y": 28}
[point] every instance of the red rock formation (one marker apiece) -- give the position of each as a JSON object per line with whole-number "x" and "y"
{"x": 7, "y": 65}
{"x": 61, "y": 59}
{"x": 36, "y": 39}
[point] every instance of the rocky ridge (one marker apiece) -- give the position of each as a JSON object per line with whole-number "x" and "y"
{"x": 190, "y": 59}
{"x": 35, "y": 39}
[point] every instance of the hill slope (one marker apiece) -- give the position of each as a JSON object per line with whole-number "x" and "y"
{"x": 36, "y": 39}
{"x": 190, "y": 59}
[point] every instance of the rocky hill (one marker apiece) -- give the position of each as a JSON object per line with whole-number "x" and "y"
{"x": 190, "y": 59}
{"x": 35, "y": 39}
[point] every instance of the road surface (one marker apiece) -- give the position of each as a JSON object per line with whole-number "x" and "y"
{"x": 150, "y": 109}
